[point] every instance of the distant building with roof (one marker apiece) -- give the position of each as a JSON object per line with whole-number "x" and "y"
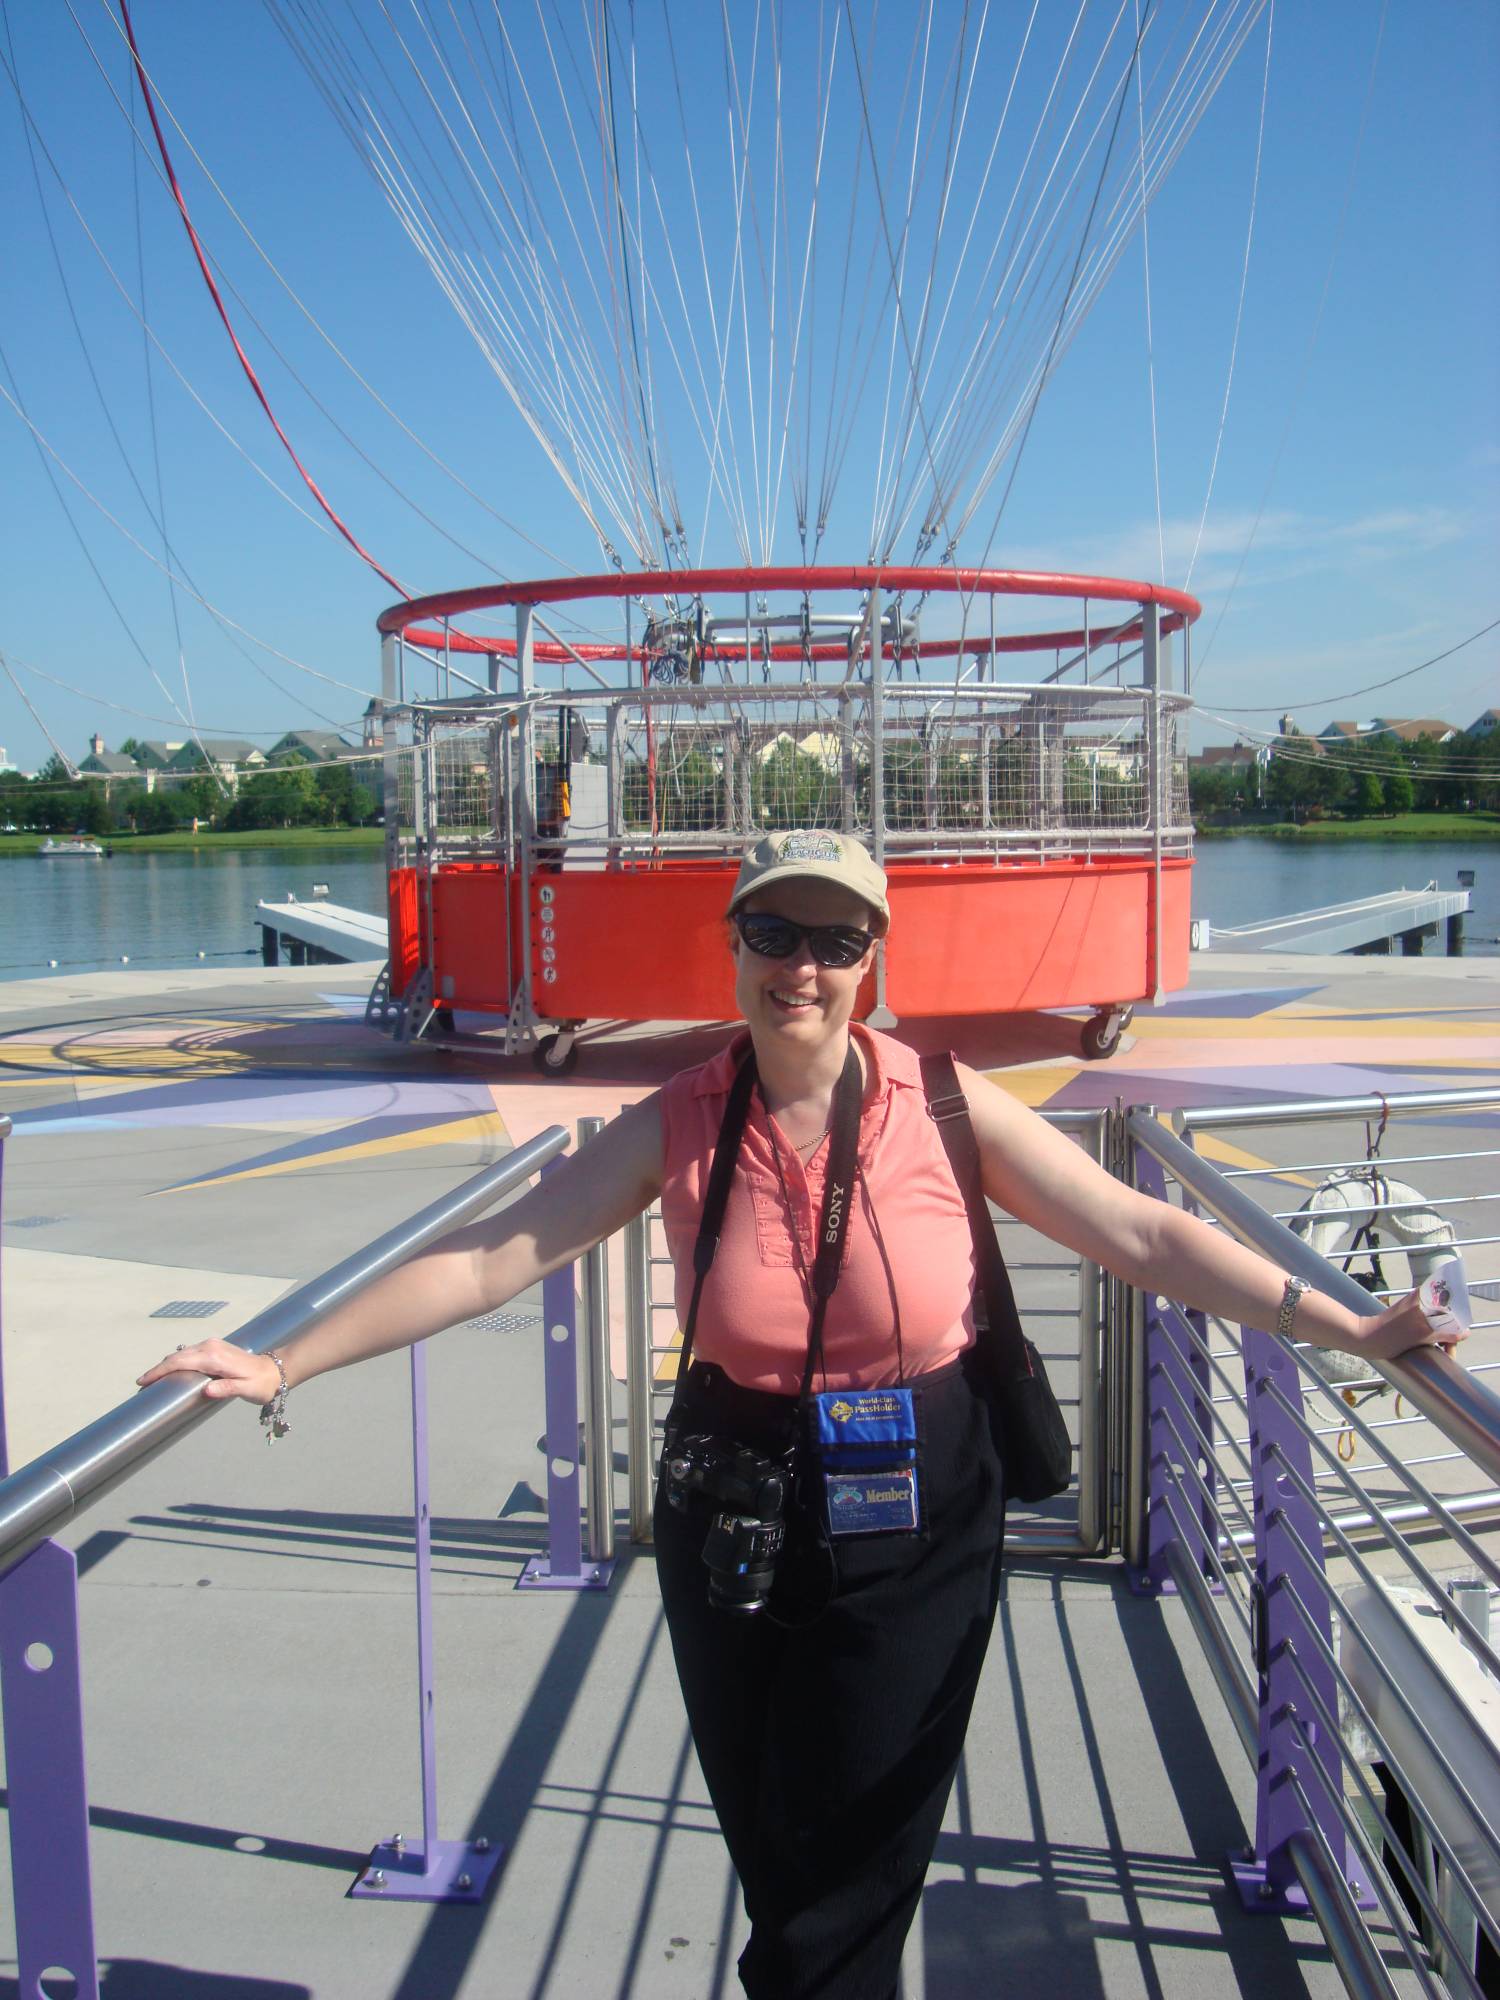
{"x": 1312, "y": 746}
{"x": 115, "y": 767}
{"x": 1413, "y": 731}
{"x": 318, "y": 746}
{"x": 228, "y": 755}
{"x": 103, "y": 763}
{"x": 1403, "y": 729}
{"x": 1480, "y": 727}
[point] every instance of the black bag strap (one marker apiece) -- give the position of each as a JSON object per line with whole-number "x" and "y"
{"x": 1001, "y": 1325}
{"x": 716, "y": 1199}
{"x": 838, "y": 1190}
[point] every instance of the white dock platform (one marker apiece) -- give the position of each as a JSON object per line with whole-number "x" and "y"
{"x": 319, "y": 931}
{"x": 1368, "y": 924}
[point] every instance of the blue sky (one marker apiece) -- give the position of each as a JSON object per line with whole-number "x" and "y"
{"x": 1353, "y": 526}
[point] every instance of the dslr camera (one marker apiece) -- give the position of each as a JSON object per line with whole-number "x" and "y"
{"x": 745, "y": 1537}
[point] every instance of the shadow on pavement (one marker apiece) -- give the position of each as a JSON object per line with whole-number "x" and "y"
{"x": 1041, "y": 1938}
{"x": 148, "y": 1979}
{"x": 257, "y": 1846}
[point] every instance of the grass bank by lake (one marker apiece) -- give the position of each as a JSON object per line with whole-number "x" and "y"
{"x": 1401, "y": 826}
{"x": 353, "y": 838}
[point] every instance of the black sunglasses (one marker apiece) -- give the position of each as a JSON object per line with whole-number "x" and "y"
{"x": 778, "y": 937}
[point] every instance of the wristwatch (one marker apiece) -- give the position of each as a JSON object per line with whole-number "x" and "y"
{"x": 1290, "y": 1299}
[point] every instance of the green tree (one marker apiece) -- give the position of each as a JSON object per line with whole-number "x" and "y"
{"x": 1291, "y": 783}
{"x": 1333, "y": 785}
{"x": 347, "y": 800}
{"x": 1369, "y": 795}
{"x": 1399, "y": 792}
{"x": 1013, "y": 782}
{"x": 201, "y": 798}
{"x": 128, "y": 801}
{"x": 1210, "y": 788}
{"x": 788, "y": 787}
{"x": 283, "y": 797}
{"x": 161, "y": 811}
{"x": 93, "y": 814}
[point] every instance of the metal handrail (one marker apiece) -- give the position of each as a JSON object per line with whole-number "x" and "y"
{"x": 43, "y": 1496}
{"x": 1305, "y": 1110}
{"x": 1464, "y": 1410}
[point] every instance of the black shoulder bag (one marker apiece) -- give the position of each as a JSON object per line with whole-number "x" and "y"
{"x": 1036, "y": 1454}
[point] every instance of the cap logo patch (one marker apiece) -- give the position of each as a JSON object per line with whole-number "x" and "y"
{"x": 810, "y": 847}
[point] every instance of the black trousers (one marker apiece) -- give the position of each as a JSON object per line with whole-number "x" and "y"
{"x": 829, "y": 1727}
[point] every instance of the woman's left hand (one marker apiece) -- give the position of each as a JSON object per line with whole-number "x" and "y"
{"x": 1400, "y": 1328}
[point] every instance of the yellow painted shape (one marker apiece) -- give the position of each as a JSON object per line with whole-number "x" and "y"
{"x": 483, "y": 1125}
{"x": 1032, "y": 1086}
{"x": 1292, "y": 1027}
{"x": 666, "y": 1367}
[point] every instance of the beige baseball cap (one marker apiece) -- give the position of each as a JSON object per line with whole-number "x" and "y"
{"x": 827, "y": 857}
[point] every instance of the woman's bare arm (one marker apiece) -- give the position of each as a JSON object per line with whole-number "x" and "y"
{"x": 1043, "y": 1179}
{"x": 471, "y": 1271}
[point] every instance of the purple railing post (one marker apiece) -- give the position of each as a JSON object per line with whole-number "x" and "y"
{"x": 41, "y": 1689}
{"x": 431, "y": 1870}
{"x": 1286, "y": 1660}
{"x": 562, "y": 1568}
{"x": 4, "y": 1449}
{"x": 1175, "y": 1457}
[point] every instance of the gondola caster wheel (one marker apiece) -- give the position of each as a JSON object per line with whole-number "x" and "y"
{"x": 1102, "y": 1031}
{"x": 555, "y": 1055}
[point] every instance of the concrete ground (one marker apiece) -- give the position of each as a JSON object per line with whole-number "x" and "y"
{"x": 248, "y": 1615}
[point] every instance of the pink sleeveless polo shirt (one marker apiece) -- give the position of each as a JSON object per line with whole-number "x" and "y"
{"x": 908, "y": 1249}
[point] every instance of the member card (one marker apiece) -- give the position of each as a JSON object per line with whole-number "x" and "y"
{"x": 872, "y": 1503}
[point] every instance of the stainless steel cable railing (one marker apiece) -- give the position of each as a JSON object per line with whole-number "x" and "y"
{"x": 1349, "y": 1669}
{"x": 42, "y": 1497}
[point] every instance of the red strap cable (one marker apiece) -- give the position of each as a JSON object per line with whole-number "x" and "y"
{"x": 208, "y": 278}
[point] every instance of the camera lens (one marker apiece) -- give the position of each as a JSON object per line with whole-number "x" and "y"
{"x": 740, "y": 1554}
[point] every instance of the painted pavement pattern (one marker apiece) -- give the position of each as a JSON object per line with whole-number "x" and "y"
{"x": 248, "y": 1616}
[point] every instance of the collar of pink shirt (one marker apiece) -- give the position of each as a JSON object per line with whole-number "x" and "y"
{"x": 892, "y": 1065}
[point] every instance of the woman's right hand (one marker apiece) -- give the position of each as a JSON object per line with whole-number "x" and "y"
{"x": 230, "y": 1370}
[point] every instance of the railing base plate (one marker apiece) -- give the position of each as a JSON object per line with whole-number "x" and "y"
{"x": 537, "y": 1575}
{"x": 453, "y": 1871}
{"x": 1259, "y": 1894}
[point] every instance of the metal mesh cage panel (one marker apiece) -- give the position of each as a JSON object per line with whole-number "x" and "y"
{"x": 1049, "y": 768}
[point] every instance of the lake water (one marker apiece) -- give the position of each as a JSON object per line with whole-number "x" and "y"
{"x": 168, "y": 910}
{"x": 1247, "y": 881}
{"x": 164, "y": 909}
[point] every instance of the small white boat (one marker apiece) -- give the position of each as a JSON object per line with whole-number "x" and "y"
{"x": 75, "y": 846}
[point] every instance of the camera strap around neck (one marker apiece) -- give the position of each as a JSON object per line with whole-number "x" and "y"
{"x": 838, "y": 1190}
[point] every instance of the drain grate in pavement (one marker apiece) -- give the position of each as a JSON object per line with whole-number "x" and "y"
{"x": 505, "y": 1322}
{"x": 189, "y": 1308}
{"x": 32, "y": 1221}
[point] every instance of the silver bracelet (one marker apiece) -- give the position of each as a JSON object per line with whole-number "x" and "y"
{"x": 273, "y": 1416}
{"x": 1291, "y": 1298}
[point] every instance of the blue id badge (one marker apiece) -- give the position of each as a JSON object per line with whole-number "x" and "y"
{"x": 866, "y": 1444}
{"x": 871, "y": 1503}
